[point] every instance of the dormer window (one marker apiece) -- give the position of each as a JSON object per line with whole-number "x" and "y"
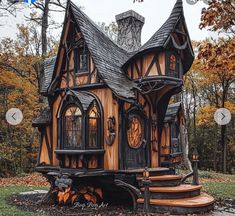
{"x": 81, "y": 60}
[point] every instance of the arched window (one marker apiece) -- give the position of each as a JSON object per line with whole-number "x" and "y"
{"x": 93, "y": 127}
{"x": 135, "y": 132}
{"x": 72, "y": 127}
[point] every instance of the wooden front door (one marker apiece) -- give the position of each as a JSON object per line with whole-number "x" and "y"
{"x": 135, "y": 140}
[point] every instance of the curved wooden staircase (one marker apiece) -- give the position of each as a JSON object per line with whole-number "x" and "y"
{"x": 167, "y": 194}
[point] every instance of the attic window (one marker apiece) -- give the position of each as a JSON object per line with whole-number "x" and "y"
{"x": 81, "y": 60}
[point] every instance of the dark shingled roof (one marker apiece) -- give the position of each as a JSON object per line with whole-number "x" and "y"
{"x": 43, "y": 118}
{"x": 172, "y": 111}
{"x": 48, "y": 68}
{"x": 84, "y": 97}
{"x": 107, "y": 55}
{"x": 109, "y": 58}
{"x": 160, "y": 37}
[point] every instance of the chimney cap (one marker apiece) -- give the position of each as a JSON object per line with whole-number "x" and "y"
{"x": 130, "y": 13}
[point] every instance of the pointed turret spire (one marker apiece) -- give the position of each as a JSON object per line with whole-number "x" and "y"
{"x": 161, "y": 38}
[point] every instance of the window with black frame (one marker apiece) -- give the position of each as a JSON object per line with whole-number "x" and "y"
{"x": 72, "y": 127}
{"x": 81, "y": 60}
{"x": 173, "y": 65}
{"x": 175, "y": 138}
{"x": 93, "y": 127}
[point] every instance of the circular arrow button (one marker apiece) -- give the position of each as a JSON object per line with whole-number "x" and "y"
{"x": 222, "y": 116}
{"x": 192, "y": 2}
{"x": 14, "y": 116}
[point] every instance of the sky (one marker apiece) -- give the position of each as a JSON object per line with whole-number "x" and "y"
{"x": 155, "y": 12}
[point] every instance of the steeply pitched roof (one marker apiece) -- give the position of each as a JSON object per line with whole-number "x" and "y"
{"x": 160, "y": 38}
{"x": 43, "y": 118}
{"x": 84, "y": 97}
{"x": 109, "y": 58}
{"x": 107, "y": 55}
{"x": 48, "y": 68}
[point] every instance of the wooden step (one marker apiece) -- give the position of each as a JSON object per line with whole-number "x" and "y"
{"x": 177, "y": 189}
{"x": 198, "y": 201}
{"x": 162, "y": 181}
{"x": 162, "y": 178}
{"x": 181, "y": 191}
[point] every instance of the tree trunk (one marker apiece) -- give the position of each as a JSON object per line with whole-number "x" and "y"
{"x": 224, "y": 145}
{"x": 45, "y": 27}
{"x": 185, "y": 147}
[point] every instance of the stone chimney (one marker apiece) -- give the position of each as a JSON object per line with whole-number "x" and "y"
{"x": 130, "y": 25}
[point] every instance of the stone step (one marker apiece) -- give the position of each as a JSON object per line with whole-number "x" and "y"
{"x": 181, "y": 191}
{"x": 197, "y": 204}
{"x": 162, "y": 181}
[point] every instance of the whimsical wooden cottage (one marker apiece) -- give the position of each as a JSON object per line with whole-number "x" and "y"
{"x": 107, "y": 117}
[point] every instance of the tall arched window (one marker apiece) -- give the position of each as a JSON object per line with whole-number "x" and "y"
{"x": 72, "y": 127}
{"x": 93, "y": 127}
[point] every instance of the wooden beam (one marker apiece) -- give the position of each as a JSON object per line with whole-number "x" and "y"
{"x": 137, "y": 69}
{"x": 48, "y": 147}
{"x": 151, "y": 65}
{"x": 158, "y": 66}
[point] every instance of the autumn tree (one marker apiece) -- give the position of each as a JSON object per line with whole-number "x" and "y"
{"x": 218, "y": 57}
{"x": 19, "y": 83}
{"x": 219, "y": 16}
{"x": 40, "y": 16}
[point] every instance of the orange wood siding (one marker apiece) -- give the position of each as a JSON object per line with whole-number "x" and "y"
{"x": 165, "y": 140}
{"x": 146, "y": 66}
{"x": 44, "y": 155}
{"x": 110, "y": 108}
{"x": 55, "y": 125}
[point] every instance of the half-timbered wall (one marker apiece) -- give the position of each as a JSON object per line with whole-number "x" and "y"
{"x": 110, "y": 109}
{"x": 151, "y": 64}
{"x": 45, "y": 151}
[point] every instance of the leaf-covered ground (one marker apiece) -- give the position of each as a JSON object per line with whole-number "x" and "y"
{"x": 222, "y": 187}
{"x": 34, "y": 179}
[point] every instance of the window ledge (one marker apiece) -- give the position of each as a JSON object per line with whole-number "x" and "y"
{"x": 76, "y": 152}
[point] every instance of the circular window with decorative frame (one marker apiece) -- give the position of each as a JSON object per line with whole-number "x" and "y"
{"x": 135, "y": 131}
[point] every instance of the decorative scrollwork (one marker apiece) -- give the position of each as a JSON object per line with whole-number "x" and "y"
{"x": 111, "y": 130}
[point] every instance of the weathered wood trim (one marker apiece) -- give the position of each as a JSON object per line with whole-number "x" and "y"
{"x": 85, "y": 87}
{"x": 120, "y": 135}
{"x": 48, "y": 146}
{"x": 137, "y": 69}
{"x": 155, "y": 57}
{"x": 76, "y": 152}
{"x": 158, "y": 66}
{"x": 132, "y": 70}
{"x": 40, "y": 148}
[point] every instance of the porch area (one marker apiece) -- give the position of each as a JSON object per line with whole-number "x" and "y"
{"x": 166, "y": 191}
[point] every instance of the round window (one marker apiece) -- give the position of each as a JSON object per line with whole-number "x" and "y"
{"x": 135, "y": 133}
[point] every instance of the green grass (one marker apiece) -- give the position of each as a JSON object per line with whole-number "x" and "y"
{"x": 221, "y": 186}
{"x": 220, "y": 189}
{"x": 9, "y": 210}
{"x": 216, "y": 176}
